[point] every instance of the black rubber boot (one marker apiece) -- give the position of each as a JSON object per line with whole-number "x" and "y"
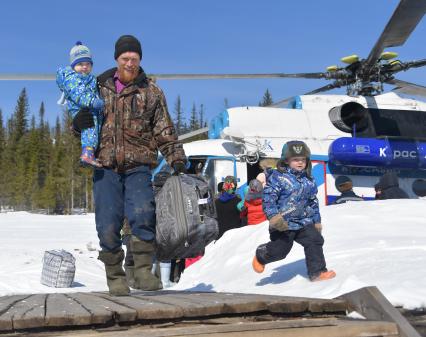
{"x": 116, "y": 278}
{"x": 143, "y": 252}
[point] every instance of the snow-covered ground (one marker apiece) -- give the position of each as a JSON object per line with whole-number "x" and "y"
{"x": 380, "y": 243}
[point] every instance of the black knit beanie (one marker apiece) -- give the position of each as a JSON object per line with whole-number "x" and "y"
{"x": 343, "y": 184}
{"x": 127, "y": 43}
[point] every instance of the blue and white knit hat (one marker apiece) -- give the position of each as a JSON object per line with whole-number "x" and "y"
{"x": 80, "y": 53}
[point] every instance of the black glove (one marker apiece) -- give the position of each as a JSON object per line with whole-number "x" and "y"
{"x": 179, "y": 167}
{"x": 83, "y": 120}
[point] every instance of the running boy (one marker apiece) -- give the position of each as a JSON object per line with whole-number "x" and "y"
{"x": 291, "y": 205}
{"x": 79, "y": 88}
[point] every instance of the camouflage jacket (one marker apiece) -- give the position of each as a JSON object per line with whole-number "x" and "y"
{"x": 136, "y": 125}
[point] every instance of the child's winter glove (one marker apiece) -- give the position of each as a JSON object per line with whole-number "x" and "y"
{"x": 318, "y": 227}
{"x": 277, "y": 222}
{"x": 98, "y": 104}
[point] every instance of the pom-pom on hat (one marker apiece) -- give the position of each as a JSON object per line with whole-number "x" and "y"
{"x": 80, "y": 53}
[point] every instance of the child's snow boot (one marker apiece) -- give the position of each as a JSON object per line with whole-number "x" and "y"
{"x": 325, "y": 275}
{"x": 257, "y": 266}
{"x": 87, "y": 157}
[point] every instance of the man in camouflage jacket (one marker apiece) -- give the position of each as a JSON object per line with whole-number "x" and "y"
{"x": 136, "y": 125}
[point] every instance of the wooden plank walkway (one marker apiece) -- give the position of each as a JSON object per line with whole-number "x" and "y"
{"x": 281, "y": 328}
{"x": 47, "y": 311}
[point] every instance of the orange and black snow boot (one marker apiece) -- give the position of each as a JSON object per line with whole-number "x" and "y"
{"x": 257, "y": 266}
{"x": 325, "y": 275}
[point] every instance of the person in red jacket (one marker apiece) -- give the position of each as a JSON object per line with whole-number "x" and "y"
{"x": 253, "y": 203}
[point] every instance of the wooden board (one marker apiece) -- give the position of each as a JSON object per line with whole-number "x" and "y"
{"x": 371, "y": 303}
{"x": 94, "y": 309}
{"x": 26, "y": 313}
{"x": 6, "y": 304}
{"x": 289, "y": 328}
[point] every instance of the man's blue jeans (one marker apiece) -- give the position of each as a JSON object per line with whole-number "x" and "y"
{"x": 119, "y": 195}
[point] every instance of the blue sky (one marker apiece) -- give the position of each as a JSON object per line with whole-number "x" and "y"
{"x": 195, "y": 36}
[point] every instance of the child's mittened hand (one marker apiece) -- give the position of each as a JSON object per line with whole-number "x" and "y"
{"x": 277, "y": 222}
{"x": 318, "y": 227}
{"x": 98, "y": 104}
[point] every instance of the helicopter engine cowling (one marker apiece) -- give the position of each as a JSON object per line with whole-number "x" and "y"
{"x": 348, "y": 116}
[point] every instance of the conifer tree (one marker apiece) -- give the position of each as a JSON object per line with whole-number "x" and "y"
{"x": 179, "y": 118}
{"x": 44, "y": 149}
{"x": 193, "y": 121}
{"x": 2, "y": 151}
{"x": 225, "y": 104}
{"x": 267, "y": 99}
{"x": 8, "y": 166}
{"x": 17, "y": 154}
{"x": 20, "y": 116}
{"x": 2, "y": 135}
{"x": 201, "y": 116}
{"x": 32, "y": 187}
{"x": 20, "y": 189}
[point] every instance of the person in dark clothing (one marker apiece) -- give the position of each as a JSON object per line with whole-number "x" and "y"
{"x": 419, "y": 188}
{"x": 219, "y": 189}
{"x": 389, "y": 187}
{"x": 228, "y": 215}
{"x": 136, "y": 126}
{"x": 378, "y": 190}
{"x": 344, "y": 185}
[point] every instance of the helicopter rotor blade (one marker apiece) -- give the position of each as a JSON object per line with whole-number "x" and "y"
{"x": 27, "y": 77}
{"x": 322, "y": 89}
{"x": 403, "y": 21}
{"x": 325, "y": 88}
{"x": 235, "y": 76}
{"x": 415, "y": 64}
{"x": 408, "y": 87}
{"x": 50, "y": 77}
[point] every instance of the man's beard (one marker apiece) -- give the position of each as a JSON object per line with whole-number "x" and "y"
{"x": 127, "y": 76}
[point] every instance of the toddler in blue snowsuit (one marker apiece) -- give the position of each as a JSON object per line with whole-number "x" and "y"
{"x": 79, "y": 89}
{"x": 290, "y": 203}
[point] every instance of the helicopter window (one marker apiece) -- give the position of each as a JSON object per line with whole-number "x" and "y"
{"x": 196, "y": 165}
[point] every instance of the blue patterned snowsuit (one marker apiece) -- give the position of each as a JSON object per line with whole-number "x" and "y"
{"x": 80, "y": 91}
{"x": 293, "y": 194}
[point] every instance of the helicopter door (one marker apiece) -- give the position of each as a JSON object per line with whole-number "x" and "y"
{"x": 319, "y": 172}
{"x": 217, "y": 169}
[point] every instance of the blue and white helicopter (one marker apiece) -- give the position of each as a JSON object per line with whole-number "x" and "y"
{"x": 361, "y": 135}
